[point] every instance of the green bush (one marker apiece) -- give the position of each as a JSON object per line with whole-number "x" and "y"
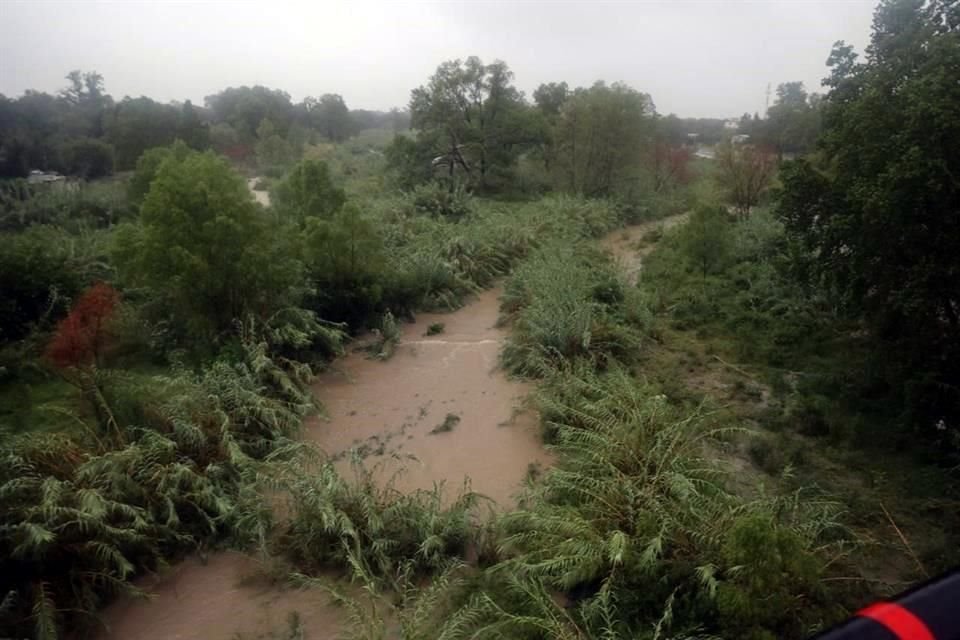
{"x": 158, "y": 471}
{"x": 565, "y": 304}
{"x": 41, "y": 269}
{"x": 345, "y": 264}
{"x": 148, "y": 164}
{"x": 336, "y": 522}
{"x": 74, "y": 206}
{"x": 307, "y": 192}
{"x": 706, "y": 239}
{"x": 634, "y": 527}
{"x": 448, "y": 200}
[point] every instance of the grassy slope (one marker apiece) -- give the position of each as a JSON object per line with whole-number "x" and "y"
{"x": 904, "y": 509}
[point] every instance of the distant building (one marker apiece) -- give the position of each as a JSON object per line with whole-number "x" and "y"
{"x": 740, "y": 139}
{"x": 42, "y": 177}
{"x": 731, "y": 125}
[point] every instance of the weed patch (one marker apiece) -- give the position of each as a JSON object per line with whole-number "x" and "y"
{"x": 448, "y": 424}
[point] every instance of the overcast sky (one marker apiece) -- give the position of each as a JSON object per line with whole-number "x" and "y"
{"x": 693, "y": 58}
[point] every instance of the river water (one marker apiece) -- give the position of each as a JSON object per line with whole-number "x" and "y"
{"x": 368, "y": 402}
{"x": 387, "y": 411}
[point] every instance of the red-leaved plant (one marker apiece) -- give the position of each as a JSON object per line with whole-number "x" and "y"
{"x": 80, "y": 337}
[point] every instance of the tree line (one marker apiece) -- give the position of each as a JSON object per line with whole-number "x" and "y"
{"x": 176, "y": 321}
{"x": 83, "y": 131}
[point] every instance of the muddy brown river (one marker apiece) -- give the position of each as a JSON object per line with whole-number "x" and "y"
{"x": 393, "y": 414}
{"x": 385, "y": 410}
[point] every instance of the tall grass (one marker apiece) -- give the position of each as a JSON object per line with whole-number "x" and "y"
{"x": 362, "y": 522}
{"x": 632, "y": 533}
{"x": 437, "y": 262}
{"x": 82, "y": 513}
{"x": 565, "y": 303}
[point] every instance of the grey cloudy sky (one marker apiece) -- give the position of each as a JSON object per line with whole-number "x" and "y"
{"x": 694, "y": 58}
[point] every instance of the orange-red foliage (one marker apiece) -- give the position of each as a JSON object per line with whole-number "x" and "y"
{"x": 81, "y": 335}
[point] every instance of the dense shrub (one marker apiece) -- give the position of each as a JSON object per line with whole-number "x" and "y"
{"x": 345, "y": 265}
{"x": 564, "y": 305}
{"x": 41, "y": 269}
{"x": 307, "y": 192}
{"x": 337, "y": 521}
{"x": 706, "y": 239}
{"x": 158, "y": 472}
{"x": 88, "y": 158}
{"x": 634, "y": 528}
{"x": 446, "y": 199}
{"x": 74, "y": 206}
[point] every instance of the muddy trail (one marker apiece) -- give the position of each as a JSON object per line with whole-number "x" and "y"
{"x": 439, "y": 410}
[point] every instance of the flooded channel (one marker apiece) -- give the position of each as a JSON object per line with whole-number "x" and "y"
{"x": 440, "y": 408}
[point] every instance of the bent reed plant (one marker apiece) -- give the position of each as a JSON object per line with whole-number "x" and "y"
{"x": 632, "y": 534}
{"x": 82, "y": 513}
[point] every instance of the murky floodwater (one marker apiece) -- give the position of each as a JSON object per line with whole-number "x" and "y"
{"x": 386, "y": 409}
{"x": 223, "y": 599}
{"x": 392, "y": 409}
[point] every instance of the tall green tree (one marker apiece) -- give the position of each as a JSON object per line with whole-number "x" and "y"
{"x": 474, "y": 121}
{"x": 601, "y": 138}
{"x": 244, "y": 108}
{"x": 345, "y": 261}
{"x": 192, "y": 128}
{"x": 306, "y": 192}
{"x": 148, "y": 164}
{"x": 880, "y": 213}
{"x": 793, "y": 122}
{"x": 330, "y": 116}
{"x": 205, "y": 249}
{"x": 136, "y": 125}
{"x": 274, "y": 151}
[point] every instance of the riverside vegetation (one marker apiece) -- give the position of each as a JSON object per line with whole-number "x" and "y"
{"x": 753, "y": 439}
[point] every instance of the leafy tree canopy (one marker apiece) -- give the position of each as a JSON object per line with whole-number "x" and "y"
{"x": 308, "y": 192}
{"x": 472, "y": 118}
{"x": 205, "y": 247}
{"x": 880, "y": 213}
